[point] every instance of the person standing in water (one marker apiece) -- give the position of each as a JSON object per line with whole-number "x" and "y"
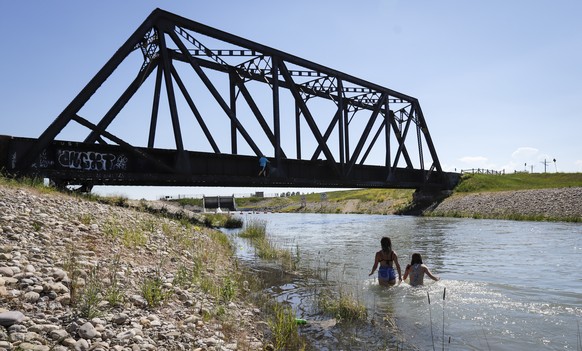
{"x": 386, "y": 258}
{"x": 416, "y": 270}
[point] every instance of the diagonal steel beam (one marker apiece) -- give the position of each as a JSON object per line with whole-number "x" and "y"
{"x": 213, "y": 90}
{"x": 373, "y": 142}
{"x": 122, "y": 101}
{"x": 255, "y": 109}
{"x": 401, "y": 137}
{"x": 195, "y": 110}
{"x": 65, "y": 117}
{"x": 308, "y": 117}
{"x": 364, "y": 136}
{"x": 427, "y": 136}
{"x": 327, "y": 133}
{"x": 82, "y": 121}
{"x": 268, "y": 51}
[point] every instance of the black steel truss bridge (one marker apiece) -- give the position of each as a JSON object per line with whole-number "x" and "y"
{"x": 228, "y": 101}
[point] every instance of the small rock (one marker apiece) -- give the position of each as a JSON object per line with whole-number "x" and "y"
{"x": 25, "y": 346}
{"x": 31, "y": 297}
{"x": 120, "y": 318}
{"x": 81, "y": 345}
{"x": 126, "y": 335}
{"x": 6, "y": 271}
{"x": 88, "y": 331}
{"x": 58, "y": 334}
{"x": 11, "y": 317}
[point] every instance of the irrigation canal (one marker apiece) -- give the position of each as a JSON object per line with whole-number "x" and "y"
{"x": 509, "y": 285}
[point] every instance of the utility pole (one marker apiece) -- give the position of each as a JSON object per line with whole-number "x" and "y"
{"x": 545, "y": 165}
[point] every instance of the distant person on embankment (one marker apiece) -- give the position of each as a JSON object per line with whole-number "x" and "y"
{"x": 386, "y": 258}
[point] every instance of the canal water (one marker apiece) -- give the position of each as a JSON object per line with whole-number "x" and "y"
{"x": 505, "y": 285}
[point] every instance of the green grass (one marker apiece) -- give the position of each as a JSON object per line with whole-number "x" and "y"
{"x": 377, "y": 195}
{"x": 189, "y": 201}
{"x": 292, "y": 203}
{"x": 222, "y": 220}
{"x": 284, "y": 328}
{"x": 254, "y": 229}
{"x": 345, "y": 307}
{"x": 152, "y": 290}
{"x": 259, "y": 202}
{"x": 471, "y": 183}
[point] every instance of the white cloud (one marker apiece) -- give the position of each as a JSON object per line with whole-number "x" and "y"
{"x": 578, "y": 164}
{"x": 524, "y": 153}
{"x": 472, "y": 160}
{"x": 529, "y": 159}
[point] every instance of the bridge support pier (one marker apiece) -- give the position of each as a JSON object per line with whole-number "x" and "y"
{"x": 423, "y": 200}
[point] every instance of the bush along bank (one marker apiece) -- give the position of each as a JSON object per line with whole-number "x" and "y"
{"x": 80, "y": 275}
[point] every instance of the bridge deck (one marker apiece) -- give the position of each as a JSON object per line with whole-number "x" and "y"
{"x": 84, "y": 163}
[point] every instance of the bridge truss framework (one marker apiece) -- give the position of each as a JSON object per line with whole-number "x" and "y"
{"x": 384, "y": 118}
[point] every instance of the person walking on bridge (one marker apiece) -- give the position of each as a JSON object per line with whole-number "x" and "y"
{"x": 263, "y": 161}
{"x": 386, "y": 258}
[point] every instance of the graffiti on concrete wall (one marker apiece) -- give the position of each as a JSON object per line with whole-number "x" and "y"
{"x": 91, "y": 161}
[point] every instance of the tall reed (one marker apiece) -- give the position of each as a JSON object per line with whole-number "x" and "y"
{"x": 430, "y": 316}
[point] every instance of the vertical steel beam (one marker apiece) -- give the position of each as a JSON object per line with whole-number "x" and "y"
{"x": 298, "y": 131}
{"x": 419, "y": 144}
{"x": 276, "y": 110}
{"x": 167, "y": 66}
{"x": 347, "y": 135}
{"x": 387, "y": 116}
{"x": 254, "y": 108}
{"x": 233, "y": 142}
{"x": 155, "y": 108}
{"x": 340, "y": 114}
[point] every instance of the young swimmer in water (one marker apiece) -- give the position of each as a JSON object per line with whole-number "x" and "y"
{"x": 385, "y": 258}
{"x": 416, "y": 271}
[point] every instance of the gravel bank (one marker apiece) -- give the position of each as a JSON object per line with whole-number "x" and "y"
{"x": 555, "y": 204}
{"x": 75, "y": 275}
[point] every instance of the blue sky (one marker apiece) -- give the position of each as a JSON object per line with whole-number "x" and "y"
{"x": 499, "y": 82}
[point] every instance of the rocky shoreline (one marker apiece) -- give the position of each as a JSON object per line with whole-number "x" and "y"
{"x": 82, "y": 275}
{"x": 550, "y": 204}
{"x": 555, "y": 204}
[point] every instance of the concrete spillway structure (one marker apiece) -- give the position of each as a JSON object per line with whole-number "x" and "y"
{"x": 219, "y": 203}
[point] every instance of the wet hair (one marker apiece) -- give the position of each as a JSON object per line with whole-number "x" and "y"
{"x": 386, "y": 244}
{"x": 416, "y": 258}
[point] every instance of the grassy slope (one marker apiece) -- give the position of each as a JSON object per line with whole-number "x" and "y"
{"x": 470, "y": 183}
